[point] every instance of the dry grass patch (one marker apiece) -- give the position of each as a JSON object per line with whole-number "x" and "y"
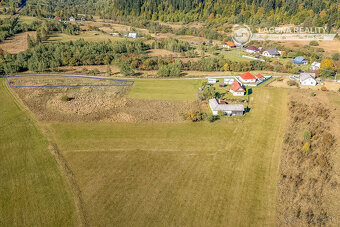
{"x": 307, "y": 175}
{"x": 17, "y": 43}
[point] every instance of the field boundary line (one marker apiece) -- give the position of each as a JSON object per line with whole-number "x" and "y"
{"x": 63, "y": 166}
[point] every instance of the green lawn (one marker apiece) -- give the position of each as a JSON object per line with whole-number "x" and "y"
{"x": 32, "y": 190}
{"x": 165, "y": 89}
{"x": 185, "y": 174}
{"x": 234, "y": 55}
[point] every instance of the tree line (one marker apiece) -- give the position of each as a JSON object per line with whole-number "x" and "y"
{"x": 252, "y": 12}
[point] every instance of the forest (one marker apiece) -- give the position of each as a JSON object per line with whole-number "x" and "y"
{"x": 252, "y": 12}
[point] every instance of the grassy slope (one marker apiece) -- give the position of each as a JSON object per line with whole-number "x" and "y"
{"x": 198, "y": 174}
{"x": 333, "y": 200}
{"x": 32, "y": 191}
{"x": 165, "y": 89}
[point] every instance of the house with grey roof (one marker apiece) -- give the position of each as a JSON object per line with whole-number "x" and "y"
{"x": 227, "y": 109}
{"x": 271, "y": 53}
{"x": 315, "y": 66}
{"x": 307, "y": 79}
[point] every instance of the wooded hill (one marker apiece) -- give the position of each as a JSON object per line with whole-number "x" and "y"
{"x": 253, "y": 12}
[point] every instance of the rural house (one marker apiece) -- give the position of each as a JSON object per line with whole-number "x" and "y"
{"x": 58, "y": 18}
{"x": 252, "y": 50}
{"x": 315, "y": 66}
{"x": 260, "y": 77}
{"x": 308, "y": 79}
{"x": 72, "y": 19}
{"x": 132, "y": 35}
{"x": 247, "y": 78}
{"x": 237, "y": 89}
{"x": 300, "y": 60}
{"x": 212, "y": 80}
{"x": 229, "y": 45}
{"x": 271, "y": 53}
{"x": 228, "y": 109}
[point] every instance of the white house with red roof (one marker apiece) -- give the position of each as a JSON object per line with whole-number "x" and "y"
{"x": 237, "y": 89}
{"x": 260, "y": 77}
{"x": 247, "y": 78}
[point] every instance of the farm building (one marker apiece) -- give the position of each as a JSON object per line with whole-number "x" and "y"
{"x": 260, "y": 77}
{"x": 300, "y": 60}
{"x": 212, "y": 80}
{"x": 271, "y": 53}
{"x": 237, "y": 89}
{"x": 132, "y": 35}
{"x": 58, "y": 18}
{"x": 114, "y": 34}
{"x": 308, "y": 79}
{"x": 229, "y": 45}
{"x": 252, "y": 50}
{"x": 315, "y": 66}
{"x": 228, "y": 109}
{"x": 72, "y": 19}
{"x": 247, "y": 78}
{"x": 228, "y": 81}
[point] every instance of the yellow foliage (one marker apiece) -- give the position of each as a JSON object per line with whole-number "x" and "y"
{"x": 226, "y": 67}
{"x": 327, "y": 63}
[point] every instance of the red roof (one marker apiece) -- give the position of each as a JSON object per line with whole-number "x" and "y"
{"x": 253, "y": 48}
{"x": 259, "y": 76}
{"x": 58, "y": 18}
{"x": 247, "y": 76}
{"x": 231, "y": 44}
{"x": 236, "y": 86}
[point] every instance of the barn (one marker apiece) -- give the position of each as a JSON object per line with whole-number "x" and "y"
{"x": 227, "y": 109}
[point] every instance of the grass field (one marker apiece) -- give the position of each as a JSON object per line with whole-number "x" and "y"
{"x": 87, "y": 36}
{"x": 184, "y": 174}
{"x": 32, "y": 190}
{"x": 165, "y": 89}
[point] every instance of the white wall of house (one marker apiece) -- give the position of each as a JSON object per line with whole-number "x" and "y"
{"x": 235, "y": 93}
{"x": 248, "y": 80}
{"x": 250, "y": 51}
{"x": 309, "y": 81}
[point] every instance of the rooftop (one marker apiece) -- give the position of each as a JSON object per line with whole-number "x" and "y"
{"x": 215, "y": 106}
{"x": 247, "y": 76}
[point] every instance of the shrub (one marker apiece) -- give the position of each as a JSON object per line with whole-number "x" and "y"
{"x": 211, "y": 118}
{"x": 292, "y": 83}
{"x": 193, "y": 116}
{"x": 126, "y": 69}
{"x": 323, "y": 88}
{"x": 307, "y": 135}
{"x": 65, "y": 98}
{"x": 313, "y": 43}
{"x": 336, "y": 56}
{"x": 312, "y": 94}
{"x": 306, "y": 147}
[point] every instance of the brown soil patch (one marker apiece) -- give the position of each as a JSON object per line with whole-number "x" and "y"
{"x": 100, "y": 104}
{"x": 17, "y": 43}
{"x": 162, "y": 53}
{"x": 307, "y": 175}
